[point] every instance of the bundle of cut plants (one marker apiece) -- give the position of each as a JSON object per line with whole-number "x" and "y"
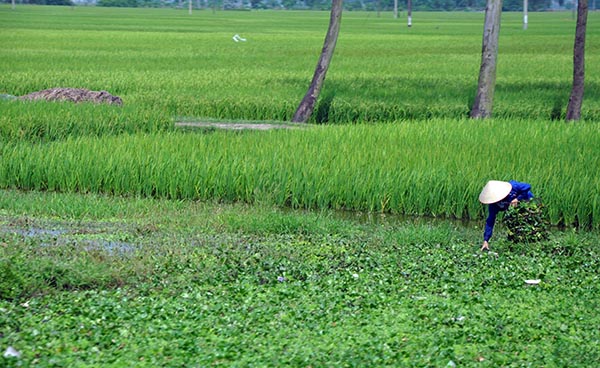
{"x": 526, "y": 223}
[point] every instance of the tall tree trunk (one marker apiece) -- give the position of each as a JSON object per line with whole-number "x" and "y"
{"x": 395, "y": 9}
{"x": 13, "y": 4}
{"x": 484, "y": 101}
{"x": 576, "y": 99}
{"x": 307, "y": 105}
{"x": 409, "y": 12}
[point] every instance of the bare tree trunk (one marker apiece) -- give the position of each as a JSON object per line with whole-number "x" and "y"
{"x": 484, "y": 101}
{"x": 525, "y": 15}
{"x": 576, "y": 99}
{"x": 307, "y": 105}
{"x": 409, "y": 12}
{"x": 13, "y": 4}
{"x": 190, "y": 7}
{"x": 396, "y": 9}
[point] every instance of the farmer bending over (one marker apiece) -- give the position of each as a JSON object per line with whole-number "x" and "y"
{"x": 499, "y": 195}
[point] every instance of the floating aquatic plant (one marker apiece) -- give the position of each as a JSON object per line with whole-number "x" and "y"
{"x": 526, "y": 222}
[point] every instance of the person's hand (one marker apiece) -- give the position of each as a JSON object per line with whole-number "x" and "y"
{"x": 514, "y": 202}
{"x": 485, "y": 246}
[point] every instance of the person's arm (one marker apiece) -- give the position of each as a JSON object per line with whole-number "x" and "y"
{"x": 489, "y": 226}
{"x": 522, "y": 190}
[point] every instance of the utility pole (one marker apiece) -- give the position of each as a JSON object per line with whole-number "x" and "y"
{"x": 525, "y": 5}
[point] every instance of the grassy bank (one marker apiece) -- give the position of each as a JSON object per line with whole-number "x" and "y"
{"x": 94, "y": 280}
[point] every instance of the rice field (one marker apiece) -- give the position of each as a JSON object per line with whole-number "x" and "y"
{"x": 189, "y": 66}
{"x": 406, "y": 92}
{"x": 376, "y": 168}
{"x": 128, "y": 241}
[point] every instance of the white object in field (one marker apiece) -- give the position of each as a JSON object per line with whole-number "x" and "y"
{"x": 409, "y": 21}
{"x": 238, "y": 38}
{"x": 532, "y": 282}
{"x": 525, "y": 19}
{"x": 12, "y": 353}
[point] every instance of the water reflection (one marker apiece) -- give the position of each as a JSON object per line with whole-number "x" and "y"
{"x": 50, "y": 237}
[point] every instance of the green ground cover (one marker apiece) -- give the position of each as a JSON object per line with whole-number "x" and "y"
{"x": 181, "y": 254}
{"x": 92, "y": 280}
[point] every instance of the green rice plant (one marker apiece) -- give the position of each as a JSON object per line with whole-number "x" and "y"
{"x": 168, "y": 63}
{"x": 430, "y": 168}
{"x": 427, "y": 159}
{"x": 48, "y": 121}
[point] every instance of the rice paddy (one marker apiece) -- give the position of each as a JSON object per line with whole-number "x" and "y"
{"x": 407, "y": 92}
{"x": 126, "y": 240}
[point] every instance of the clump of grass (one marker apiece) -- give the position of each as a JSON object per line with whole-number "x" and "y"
{"x": 526, "y": 223}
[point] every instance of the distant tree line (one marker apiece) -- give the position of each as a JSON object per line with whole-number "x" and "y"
{"x": 368, "y": 5}
{"x": 349, "y": 5}
{"x": 43, "y": 2}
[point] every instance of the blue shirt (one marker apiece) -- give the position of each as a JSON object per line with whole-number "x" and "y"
{"x": 519, "y": 191}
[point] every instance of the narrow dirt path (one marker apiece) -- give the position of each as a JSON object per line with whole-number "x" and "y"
{"x": 241, "y": 126}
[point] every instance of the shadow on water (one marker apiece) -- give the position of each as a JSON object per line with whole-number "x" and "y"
{"x": 390, "y": 219}
{"x": 396, "y": 219}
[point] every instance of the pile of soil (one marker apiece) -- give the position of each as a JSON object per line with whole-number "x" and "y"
{"x": 74, "y": 95}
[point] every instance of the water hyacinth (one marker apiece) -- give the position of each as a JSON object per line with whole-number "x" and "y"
{"x": 526, "y": 223}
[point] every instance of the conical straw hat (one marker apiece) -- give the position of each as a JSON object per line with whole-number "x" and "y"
{"x": 494, "y": 191}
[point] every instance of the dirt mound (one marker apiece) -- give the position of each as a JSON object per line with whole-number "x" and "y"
{"x": 73, "y": 95}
